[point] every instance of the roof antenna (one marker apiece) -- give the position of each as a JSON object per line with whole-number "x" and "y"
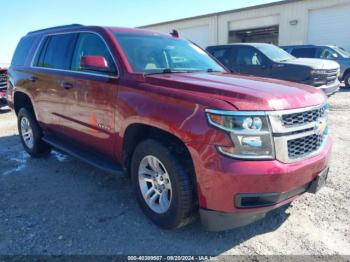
{"x": 174, "y": 33}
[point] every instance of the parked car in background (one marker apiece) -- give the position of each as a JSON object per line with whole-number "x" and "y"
{"x": 270, "y": 61}
{"x": 3, "y": 86}
{"x": 193, "y": 137}
{"x": 330, "y": 52}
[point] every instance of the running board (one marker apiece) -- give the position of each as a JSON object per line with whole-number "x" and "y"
{"x": 85, "y": 155}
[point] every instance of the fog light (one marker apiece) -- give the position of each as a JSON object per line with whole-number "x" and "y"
{"x": 251, "y": 141}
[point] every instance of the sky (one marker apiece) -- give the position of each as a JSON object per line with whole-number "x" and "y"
{"x": 19, "y": 17}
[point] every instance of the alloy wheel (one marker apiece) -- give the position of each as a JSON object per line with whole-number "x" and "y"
{"x": 27, "y": 133}
{"x": 155, "y": 184}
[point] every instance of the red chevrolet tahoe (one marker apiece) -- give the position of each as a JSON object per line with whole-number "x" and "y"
{"x": 194, "y": 138}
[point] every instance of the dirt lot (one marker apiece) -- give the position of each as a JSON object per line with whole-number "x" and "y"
{"x": 59, "y": 205}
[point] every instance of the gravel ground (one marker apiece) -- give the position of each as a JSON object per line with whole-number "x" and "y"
{"x": 59, "y": 205}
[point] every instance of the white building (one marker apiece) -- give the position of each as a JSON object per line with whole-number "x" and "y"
{"x": 283, "y": 23}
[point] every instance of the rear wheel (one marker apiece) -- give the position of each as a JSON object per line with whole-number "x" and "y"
{"x": 347, "y": 80}
{"x": 163, "y": 188}
{"x": 30, "y": 134}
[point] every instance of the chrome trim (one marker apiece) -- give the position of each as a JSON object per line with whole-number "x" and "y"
{"x": 246, "y": 157}
{"x": 44, "y": 36}
{"x": 235, "y": 113}
{"x": 77, "y": 72}
{"x": 276, "y": 119}
{"x": 281, "y": 147}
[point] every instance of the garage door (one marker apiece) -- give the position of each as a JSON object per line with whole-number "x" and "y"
{"x": 330, "y": 26}
{"x": 197, "y": 34}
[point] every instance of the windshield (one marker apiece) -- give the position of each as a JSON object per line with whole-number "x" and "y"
{"x": 158, "y": 54}
{"x": 342, "y": 52}
{"x": 275, "y": 53}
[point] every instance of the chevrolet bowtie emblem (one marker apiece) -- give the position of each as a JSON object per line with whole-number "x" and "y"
{"x": 320, "y": 127}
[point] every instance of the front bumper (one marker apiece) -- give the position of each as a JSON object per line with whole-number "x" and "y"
{"x": 221, "y": 179}
{"x": 330, "y": 89}
{"x": 220, "y": 221}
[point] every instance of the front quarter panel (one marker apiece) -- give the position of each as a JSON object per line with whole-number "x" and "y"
{"x": 290, "y": 72}
{"x": 179, "y": 113}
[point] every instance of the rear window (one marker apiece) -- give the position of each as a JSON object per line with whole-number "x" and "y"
{"x": 304, "y": 52}
{"x": 22, "y": 51}
{"x": 56, "y": 52}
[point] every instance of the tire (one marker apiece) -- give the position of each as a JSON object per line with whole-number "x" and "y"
{"x": 30, "y": 134}
{"x": 180, "y": 200}
{"x": 347, "y": 80}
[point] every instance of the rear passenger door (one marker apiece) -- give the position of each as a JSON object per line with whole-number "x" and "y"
{"x": 48, "y": 78}
{"x": 91, "y": 97}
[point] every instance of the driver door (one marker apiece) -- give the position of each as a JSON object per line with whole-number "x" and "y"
{"x": 250, "y": 61}
{"x": 91, "y": 97}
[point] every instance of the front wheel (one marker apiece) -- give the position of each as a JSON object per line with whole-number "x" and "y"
{"x": 163, "y": 188}
{"x": 30, "y": 134}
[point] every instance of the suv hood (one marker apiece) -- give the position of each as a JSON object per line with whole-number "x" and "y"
{"x": 243, "y": 92}
{"x": 314, "y": 63}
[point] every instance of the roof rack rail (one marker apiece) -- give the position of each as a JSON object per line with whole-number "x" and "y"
{"x": 56, "y": 27}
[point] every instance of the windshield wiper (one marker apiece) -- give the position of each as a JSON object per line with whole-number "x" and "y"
{"x": 210, "y": 70}
{"x": 167, "y": 71}
{"x": 172, "y": 71}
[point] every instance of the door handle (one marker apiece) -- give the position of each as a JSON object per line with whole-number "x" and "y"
{"x": 66, "y": 85}
{"x": 33, "y": 79}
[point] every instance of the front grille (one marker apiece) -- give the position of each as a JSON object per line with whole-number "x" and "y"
{"x": 299, "y": 133}
{"x": 305, "y": 145}
{"x": 328, "y": 78}
{"x": 302, "y": 118}
{"x": 3, "y": 81}
{"x": 331, "y": 76}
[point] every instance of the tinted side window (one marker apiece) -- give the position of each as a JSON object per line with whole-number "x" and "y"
{"x": 304, "y": 52}
{"x": 90, "y": 44}
{"x": 248, "y": 56}
{"x": 22, "y": 51}
{"x": 56, "y": 52}
{"x": 224, "y": 55}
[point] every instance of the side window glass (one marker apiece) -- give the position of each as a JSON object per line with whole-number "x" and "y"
{"x": 90, "y": 44}
{"x": 22, "y": 50}
{"x": 325, "y": 53}
{"x": 304, "y": 52}
{"x": 41, "y": 54}
{"x": 248, "y": 56}
{"x": 224, "y": 56}
{"x": 57, "y": 51}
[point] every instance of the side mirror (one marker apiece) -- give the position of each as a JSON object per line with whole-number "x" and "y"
{"x": 335, "y": 56}
{"x": 94, "y": 63}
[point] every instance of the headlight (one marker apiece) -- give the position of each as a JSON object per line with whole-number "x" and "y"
{"x": 250, "y": 133}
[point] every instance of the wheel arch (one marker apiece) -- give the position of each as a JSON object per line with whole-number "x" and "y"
{"x": 20, "y": 100}
{"x": 137, "y": 132}
{"x": 346, "y": 72}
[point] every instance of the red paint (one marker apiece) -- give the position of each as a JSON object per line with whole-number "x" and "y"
{"x": 174, "y": 103}
{"x": 93, "y": 62}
